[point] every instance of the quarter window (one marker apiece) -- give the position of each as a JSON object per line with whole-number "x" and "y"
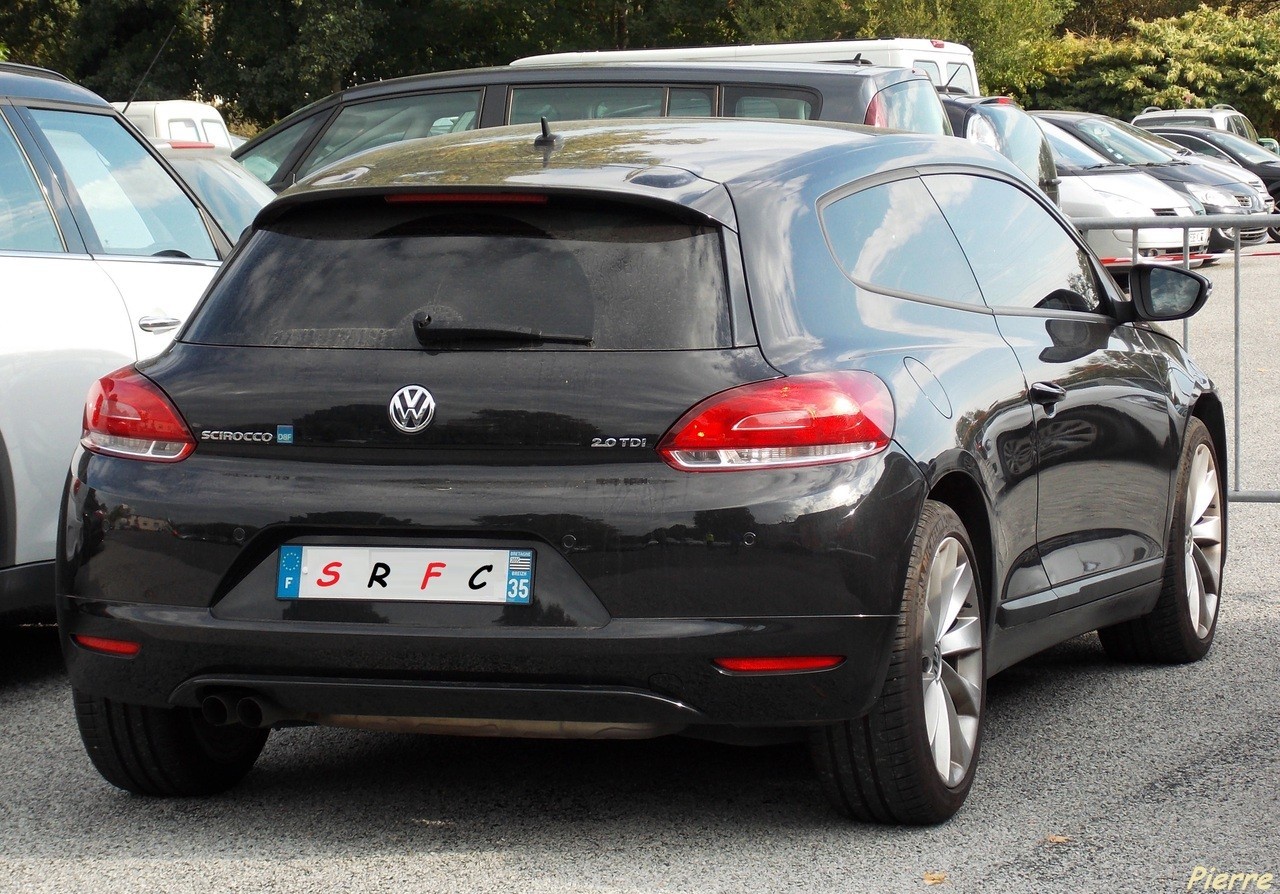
{"x": 26, "y": 223}
{"x": 894, "y": 237}
{"x": 912, "y": 106}
{"x": 1021, "y": 255}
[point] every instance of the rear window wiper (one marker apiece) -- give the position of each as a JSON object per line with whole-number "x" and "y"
{"x": 433, "y": 332}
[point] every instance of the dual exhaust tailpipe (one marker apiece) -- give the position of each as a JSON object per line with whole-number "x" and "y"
{"x": 221, "y": 709}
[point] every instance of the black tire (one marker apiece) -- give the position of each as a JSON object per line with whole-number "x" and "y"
{"x": 881, "y": 767}
{"x": 1169, "y": 634}
{"x": 1273, "y": 233}
{"x": 165, "y": 752}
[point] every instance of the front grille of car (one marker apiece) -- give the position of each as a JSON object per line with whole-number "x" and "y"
{"x": 1244, "y": 201}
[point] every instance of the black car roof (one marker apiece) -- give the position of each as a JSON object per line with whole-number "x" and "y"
{"x": 29, "y": 82}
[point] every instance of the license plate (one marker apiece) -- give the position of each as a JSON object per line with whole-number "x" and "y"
{"x": 404, "y": 574}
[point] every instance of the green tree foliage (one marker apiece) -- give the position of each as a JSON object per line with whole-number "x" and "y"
{"x": 1203, "y": 57}
{"x": 34, "y": 31}
{"x": 1003, "y": 34}
{"x": 111, "y": 44}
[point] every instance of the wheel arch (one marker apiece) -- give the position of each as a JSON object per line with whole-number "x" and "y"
{"x": 963, "y": 495}
{"x": 1208, "y": 409}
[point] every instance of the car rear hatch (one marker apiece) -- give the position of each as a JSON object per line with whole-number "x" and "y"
{"x": 490, "y": 371}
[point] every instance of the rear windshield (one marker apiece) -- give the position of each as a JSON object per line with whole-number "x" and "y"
{"x": 580, "y": 277}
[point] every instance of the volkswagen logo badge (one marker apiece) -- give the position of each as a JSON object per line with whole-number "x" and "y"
{"x": 411, "y": 409}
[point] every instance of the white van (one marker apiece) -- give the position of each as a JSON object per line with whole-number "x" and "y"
{"x": 946, "y": 64}
{"x": 178, "y": 119}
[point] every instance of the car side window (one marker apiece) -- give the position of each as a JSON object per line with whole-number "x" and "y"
{"x": 691, "y": 102}
{"x": 894, "y": 237}
{"x": 585, "y": 102}
{"x": 365, "y": 125}
{"x": 1022, "y": 256}
{"x": 133, "y": 205}
{"x": 264, "y": 159}
{"x": 1198, "y": 146}
{"x": 765, "y": 102}
{"x": 26, "y": 223}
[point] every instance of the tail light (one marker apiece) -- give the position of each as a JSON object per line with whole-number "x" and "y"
{"x": 876, "y": 115}
{"x": 800, "y": 420}
{"x": 127, "y": 415}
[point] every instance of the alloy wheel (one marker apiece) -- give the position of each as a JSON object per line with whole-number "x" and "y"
{"x": 1203, "y": 541}
{"x": 951, "y": 665}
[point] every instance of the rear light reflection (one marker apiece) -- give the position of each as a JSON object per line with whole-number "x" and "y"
{"x": 122, "y": 647}
{"x": 801, "y": 420}
{"x": 876, "y": 115}
{"x": 779, "y": 664}
{"x": 127, "y": 415}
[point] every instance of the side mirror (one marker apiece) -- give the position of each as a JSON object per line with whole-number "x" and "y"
{"x": 1167, "y": 293}
{"x": 1269, "y": 143}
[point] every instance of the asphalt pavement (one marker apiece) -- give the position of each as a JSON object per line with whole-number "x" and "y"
{"x": 1094, "y": 776}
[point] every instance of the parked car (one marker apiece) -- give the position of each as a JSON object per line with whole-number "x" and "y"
{"x": 999, "y": 122}
{"x": 1219, "y": 192}
{"x": 948, "y": 65}
{"x": 1093, "y": 186}
{"x": 544, "y": 434}
{"x": 1227, "y": 148}
{"x": 1221, "y": 117}
{"x": 183, "y": 120}
{"x": 430, "y": 105}
{"x": 231, "y": 193}
{"x": 103, "y": 252}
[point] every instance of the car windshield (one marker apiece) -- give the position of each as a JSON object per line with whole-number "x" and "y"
{"x": 1068, "y": 151}
{"x": 1123, "y": 143}
{"x": 228, "y": 190}
{"x": 1239, "y": 146}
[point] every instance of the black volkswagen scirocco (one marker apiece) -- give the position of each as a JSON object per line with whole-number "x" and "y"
{"x": 633, "y": 429}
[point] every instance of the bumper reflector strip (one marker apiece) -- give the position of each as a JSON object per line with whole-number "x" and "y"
{"x": 778, "y": 664}
{"x": 122, "y": 647}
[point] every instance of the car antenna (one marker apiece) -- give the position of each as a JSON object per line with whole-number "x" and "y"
{"x": 547, "y": 139}
{"x": 154, "y": 59}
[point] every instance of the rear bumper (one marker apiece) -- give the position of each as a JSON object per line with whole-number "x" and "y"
{"x": 642, "y": 577}
{"x": 629, "y": 671}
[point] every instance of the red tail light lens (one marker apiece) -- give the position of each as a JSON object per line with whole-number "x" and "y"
{"x": 795, "y": 421}
{"x": 876, "y": 115}
{"x": 127, "y": 415}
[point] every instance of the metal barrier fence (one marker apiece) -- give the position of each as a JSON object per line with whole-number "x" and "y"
{"x": 1233, "y": 222}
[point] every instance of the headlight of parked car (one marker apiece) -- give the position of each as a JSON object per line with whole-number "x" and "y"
{"x": 1211, "y": 195}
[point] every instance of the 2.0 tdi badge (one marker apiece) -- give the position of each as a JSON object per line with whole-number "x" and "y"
{"x": 411, "y": 409}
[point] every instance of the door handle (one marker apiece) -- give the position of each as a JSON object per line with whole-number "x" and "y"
{"x": 1046, "y": 394}
{"x": 158, "y": 324}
